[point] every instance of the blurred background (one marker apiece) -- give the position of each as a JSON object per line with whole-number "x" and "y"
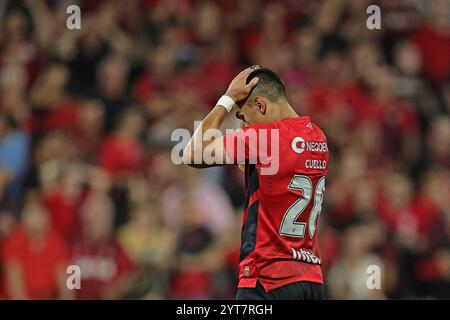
{"x": 86, "y": 176}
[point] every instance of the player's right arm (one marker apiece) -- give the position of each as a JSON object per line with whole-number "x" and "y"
{"x": 238, "y": 91}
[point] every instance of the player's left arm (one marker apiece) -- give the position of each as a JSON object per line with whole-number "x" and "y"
{"x": 237, "y": 92}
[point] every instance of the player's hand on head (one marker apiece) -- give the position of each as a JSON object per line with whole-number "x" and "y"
{"x": 238, "y": 89}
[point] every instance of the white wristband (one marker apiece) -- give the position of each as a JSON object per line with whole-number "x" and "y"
{"x": 226, "y": 102}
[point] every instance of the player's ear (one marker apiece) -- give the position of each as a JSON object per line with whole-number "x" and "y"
{"x": 260, "y": 105}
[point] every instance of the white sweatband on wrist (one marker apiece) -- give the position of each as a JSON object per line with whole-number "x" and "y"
{"x": 226, "y": 102}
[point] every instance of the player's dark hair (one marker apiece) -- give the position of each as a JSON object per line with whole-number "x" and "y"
{"x": 270, "y": 84}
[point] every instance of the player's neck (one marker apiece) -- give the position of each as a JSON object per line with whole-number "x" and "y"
{"x": 283, "y": 110}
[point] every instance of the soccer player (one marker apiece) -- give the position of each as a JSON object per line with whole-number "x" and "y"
{"x": 286, "y": 160}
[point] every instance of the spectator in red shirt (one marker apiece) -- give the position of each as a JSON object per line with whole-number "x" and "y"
{"x": 433, "y": 40}
{"x": 197, "y": 258}
{"x": 63, "y": 202}
{"x": 122, "y": 154}
{"x": 409, "y": 216}
{"x": 438, "y": 142}
{"x": 106, "y": 271}
{"x": 7, "y": 223}
{"x": 89, "y": 130}
{"x": 35, "y": 258}
{"x": 54, "y": 108}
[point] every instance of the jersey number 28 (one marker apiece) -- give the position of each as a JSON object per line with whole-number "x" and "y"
{"x": 289, "y": 226}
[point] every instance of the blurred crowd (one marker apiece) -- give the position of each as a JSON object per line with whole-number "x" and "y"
{"x": 86, "y": 116}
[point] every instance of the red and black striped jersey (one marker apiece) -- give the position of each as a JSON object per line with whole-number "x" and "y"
{"x": 286, "y": 164}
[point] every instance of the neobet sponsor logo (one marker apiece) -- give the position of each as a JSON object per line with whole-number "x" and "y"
{"x": 316, "y": 146}
{"x": 299, "y": 145}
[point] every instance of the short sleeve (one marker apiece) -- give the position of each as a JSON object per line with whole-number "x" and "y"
{"x": 251, "y": 145}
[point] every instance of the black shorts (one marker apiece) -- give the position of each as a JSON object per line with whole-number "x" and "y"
{"x": 295, "y": 291}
